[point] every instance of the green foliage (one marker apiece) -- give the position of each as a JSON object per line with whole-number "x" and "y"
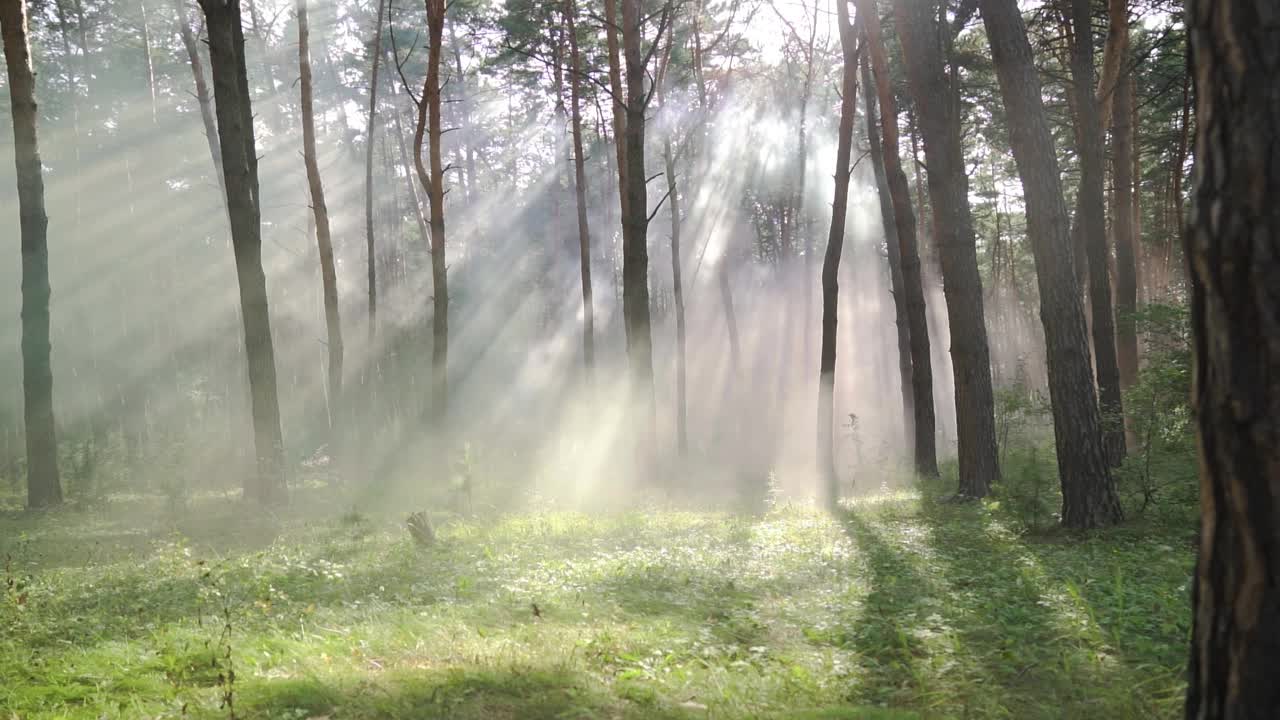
{"x": 906, "y": 608}
{"x": 1162, "y": 468}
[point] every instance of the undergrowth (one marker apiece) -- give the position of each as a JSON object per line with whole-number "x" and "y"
{"x": 902, "y": 607}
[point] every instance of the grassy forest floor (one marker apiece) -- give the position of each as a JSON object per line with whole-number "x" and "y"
{"x": 903, "y": 607}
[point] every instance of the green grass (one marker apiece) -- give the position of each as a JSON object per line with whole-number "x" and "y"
{"x": 901, "y": 608}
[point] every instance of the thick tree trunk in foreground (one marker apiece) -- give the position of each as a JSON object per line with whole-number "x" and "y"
{"x": 1088, "y": 491}
{"x": 926, "y": 452}
{"x": 43, "y": 486}
{"x": 937, "y": 115}
{"x": 370, "y": 249}
{"x": 240, "y": 164}
{"x": 580, "y": 190}
{"x": 324, "y": 240}
{"x": 894, "y": 251}
{"x": 635, "y": 231}
{"x": 1091, "y": 222}
{"x": 1233, "y": 250}
{"x": 831, "y": 261}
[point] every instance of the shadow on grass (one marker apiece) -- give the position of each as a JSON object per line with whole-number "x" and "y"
{"x": 961, "y": 617}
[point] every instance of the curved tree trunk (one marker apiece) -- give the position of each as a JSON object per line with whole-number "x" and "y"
{"x": 240, "y": 163}
{"x": 324, "y": 240}
{"x": 439, "y": 279}
{"x": 926, "y": 453}
{"x": 1088, "y": 490}
{"x": 937, "y": 113}
{"x": 1233, "y": 251}
{"x": 1091, "y": 221}
{"x": 894, "y": 251}
{"x": 43, "y": 486}
{"x": 831, "y": 261}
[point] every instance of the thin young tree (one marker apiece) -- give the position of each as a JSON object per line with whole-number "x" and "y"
{"x": 320, "y": 211}
{"x": 937, "y": 106}
{"x": 1088, "y": 491}
{"x": 43, "y": 486}
{"x": 203, "y": 99}
{"x": 926, "y": 452}
{"x": 1232, "y": 246}
{"x": 429, "y": 111}
{"x": 580, "y": 187}
{"x": 371, "y": 257}
{"x": 240, "y": 165}
{"x": 831, "y": 260}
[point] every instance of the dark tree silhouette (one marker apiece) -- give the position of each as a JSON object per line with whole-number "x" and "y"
{"x": 1088, "y": 490}
{"x": 43, "y": 486}
{"x": 240, "y": 165}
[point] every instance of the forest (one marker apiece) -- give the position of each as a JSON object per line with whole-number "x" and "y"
{"x": 796, "y": 359}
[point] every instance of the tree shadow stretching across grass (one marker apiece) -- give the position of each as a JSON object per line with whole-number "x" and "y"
{"x": 963, "y": 617}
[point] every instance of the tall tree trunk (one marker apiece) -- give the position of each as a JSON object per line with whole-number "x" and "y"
{"x": 635, "y": 227}
{"x": 370, "y": 250}
{"x": 956, "y": 242}
{"x": 619, "y": 98}
{"x": 580, "y": 189}
{"x": 1088, "y": 490}
{"x": 1180, "y": 159}
{"x": 1122, "y": 154}
{"x": 1091, "y": 221}
{"x": 677, "y": 288}
{"x": 893, "y": 249}
{"x": 1233, "y": 251}
{"x": 435, "y": 194}
{"x": 203, "y": 99}
{"x": 146, "y": 58}
{"x": 464, "y": 107}
{"x": 43, "y": 486}
{"x": 831, "y": 261}
{"x": 240, "y": 164}
{"x": 324, "y": 240}
{"x": 926, "y": 453}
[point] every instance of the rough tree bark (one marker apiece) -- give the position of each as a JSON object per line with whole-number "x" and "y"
{"x": 370, "y": 249}
{"x": 1088, "y": 490}
{"x": 926, "y": 452}
{"x": 831, "y": 260}
{"x": 1091, "y": 221}
{"x": 324, "y": 240}
{"x": 954, "y": 238}
{"x": 1233, "y": 250}
{"x": 240, "y": 165}
{"x": 43, "y": 486}
{"x": 580, "y": 189}
{"x": 893, "y": 249}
